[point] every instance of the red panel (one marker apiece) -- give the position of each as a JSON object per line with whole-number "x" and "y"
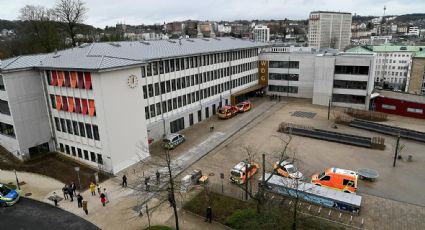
{"x": 64, "y": 103}
{"x": 73, "y": 79}
{"x": 80, "y": 80}
{"x": 71, "y": 104}
{"x": 54, "y": 78}
{"x": 88, "y": 80}
{"x": 85, "y": 107}
{"x": 92, "y": 108}
{"x": 67, "y": 79}
{"x": 58, "y": 102}
{"x": 77, "y": 105}
{"x": 400, "y": 107}
{"x": 60, "y": 78}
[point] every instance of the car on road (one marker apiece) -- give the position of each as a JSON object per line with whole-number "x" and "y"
{"x": 172, "y": 140}
{"x": 243, "y": 171}
{"x": 227, "y": 112}
{"x": 244, "y": 106}
{"x": 8, "y": 196}
{"x": 286, "y": 169}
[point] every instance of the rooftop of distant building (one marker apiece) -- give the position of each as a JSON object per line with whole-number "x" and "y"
{"x": 386, "y": 48}
{"x": 329, "y": 12}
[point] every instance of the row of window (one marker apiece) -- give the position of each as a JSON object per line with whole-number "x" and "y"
{"x": 283, "y": 76}
{"x": 4, "y": 107}
{"x": 7, "y": 129}
{"x": 80, "y": 80}
{"x": 77, "y": 128}
{"x": 73, "y": 104}
{"x": 83, "y": 154}
{"x": 283, "y": 89}
{"x": 348, "y": 69}
{"x": 350, "y": 84}
{"x": 2, "y": 83}
{"x": 178, "y": 64}
{"x": 410, "y": 110}
{"x": 345, "y": 98}
{"x": 187, "y": 81}
{"x": 180, "y": 101}
{"x": 284, "y": 64}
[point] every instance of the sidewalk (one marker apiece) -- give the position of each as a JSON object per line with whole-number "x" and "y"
{"x": 122, "y": 212}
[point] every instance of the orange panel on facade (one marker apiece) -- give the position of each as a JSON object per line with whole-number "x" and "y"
{"x": 60, "y": 78}
{"x": 58, "y": 102}
{"x": 73, "y": 79}
{"x": 70, "y": 104}
{"x": 92, "y": 109}
{"x": 85, "y": 108}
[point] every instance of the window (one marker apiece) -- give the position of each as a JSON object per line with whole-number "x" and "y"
{"x": 47, "y": 74}
{"x": 283, "y": 77}
{"x": 82, "y": 129}
{"x": 152, "y": 109}
{"x": 79, "y": 151}
{"x": 158, "y": 108}
{"x": 61, "y": 148}
{"x": 7, "y": 129}
{"x": 284, "y": 64}
{"x": 67, "y": 149}
{"x": 150, "y": 90}
{"x": 80, "y": 80}
{"x": 75, "y": 126}
{"x": 390, "y": 107}
{"x": 283, "y": 89}
{"x": 92, "y": 156}
{"x": 170, "y": 105}
{"x": 74, "y": 153}
{"x": 96, "y": 132}
{"x": 4, "y": 107}
{"x": 99, "y": 159}
{"x": 157, "y": 89}
{"x": 325, "y": 178}
{"x": 63, "y": 125}
{"x": 69, "y": 126}
{"x": 342, "y": 69}
{"x": 145, "y": 92}
{"x": 147, "y": 112}
{"x": 86, "y": 154}
{"x": 57, "y": 124}
{"x": 89, "y": 131}
{"x": 414, "y": 110}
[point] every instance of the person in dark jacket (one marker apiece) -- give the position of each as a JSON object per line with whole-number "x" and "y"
{"x": 80, "y": 200}
{"x": 73, "y": 188}
{"x": 124, "y": 181}
{"x": 65, "y": 192}
{"x": 209, "y": 214}
{"x": 71, "y": 194}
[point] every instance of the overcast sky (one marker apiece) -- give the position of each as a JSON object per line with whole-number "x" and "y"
{"x": 109, "y": 12}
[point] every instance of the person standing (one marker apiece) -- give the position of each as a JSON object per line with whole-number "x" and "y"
{"x": 55, "y": 199}
{"x": 106, "y": 195}
{"x": 71, "y": 194}
{"x": 158, "y": 177}
{"x": 103, "y": 199}
{"x": 209, "y": 214}
{"x": 73, "y": 187}
{"x": 85, "y": 207}
{"x": 80, "y": 200}
{"x": 65, "y": 192}
{"x": 147, "y": 183}
{"x": 99, "y": 191}
{"x": 124, "y": 181}
{"x": 93, "y": 189}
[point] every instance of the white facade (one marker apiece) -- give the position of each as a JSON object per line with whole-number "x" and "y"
{"x": 346, "y": 80}
{"x": 413, "y": 31}
{"x": 329, "y": 30}
{"x": 104, "y": 117}
{"x": 393, "y": 68}
{"x": 261, "y": 33}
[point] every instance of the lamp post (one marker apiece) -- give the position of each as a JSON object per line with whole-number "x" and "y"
{"x": 17, "y": 181}
{"x": 77, "y": 169}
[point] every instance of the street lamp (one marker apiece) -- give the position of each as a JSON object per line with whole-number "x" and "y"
{"x": 17, "y": 181}
{"x": 77, "y": 169}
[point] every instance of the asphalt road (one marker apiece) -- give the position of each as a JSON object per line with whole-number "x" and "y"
{"x": 31, "y": 214}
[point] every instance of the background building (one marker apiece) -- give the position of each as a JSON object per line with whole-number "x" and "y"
{"x": 345, "y": 79}
{"x": 417, "y": 77}
{"x": 261, "y": 33}
{"x": 329, "y": 30}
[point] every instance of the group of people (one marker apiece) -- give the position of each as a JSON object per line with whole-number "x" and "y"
{"x": 102, "y": 194}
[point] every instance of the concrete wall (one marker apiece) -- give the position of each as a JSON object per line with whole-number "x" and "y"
{"x": 417, "y": 76}
{"x": 121, "y": 118}
{"x": 28, "y": 112}
{"x": 323, "y": 80}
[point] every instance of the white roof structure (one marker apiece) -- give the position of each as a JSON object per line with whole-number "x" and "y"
{"x": 111, "y": 55}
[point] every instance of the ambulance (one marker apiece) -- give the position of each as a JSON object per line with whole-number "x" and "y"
{"x": 227, "y": 112}
{"x": 336, "y": 178}
{"x": 242, "y": 170}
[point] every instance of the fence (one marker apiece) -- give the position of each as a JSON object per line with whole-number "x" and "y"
{"x": 366, "y": 114}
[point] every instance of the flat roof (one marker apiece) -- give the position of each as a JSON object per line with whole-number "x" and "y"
{"x": 386, "y": 48}
{"x": 401, "y": 96}
{"x": 110, "y": 55}
{"x": 329, "y": 12}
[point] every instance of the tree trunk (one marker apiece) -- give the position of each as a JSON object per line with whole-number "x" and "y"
{"x": 174, "y": 204}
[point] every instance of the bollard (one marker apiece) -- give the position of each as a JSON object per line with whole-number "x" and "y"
{"x": 340, "y": 214}
{"x": 309, "y": 207}
{"x": 330, "y": 211}
{"x": 290, "y": 202}
{"x": 362, "y": 222}
{"x": 320, "y": 208}
{"x": 351, "y": 219}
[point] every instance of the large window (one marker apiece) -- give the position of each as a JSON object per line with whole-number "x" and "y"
{"x": 4, "y": 107}
{"x": 284, "y": 64}
{"x": 7, "y": 129}
{"x": 283, "y": 76}
{"x": 347, "y": 69}
{"x": 345, "y": 98}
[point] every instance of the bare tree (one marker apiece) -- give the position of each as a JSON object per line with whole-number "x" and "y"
{"x": 43, "y": 27}
{"x": 72, "y": 13}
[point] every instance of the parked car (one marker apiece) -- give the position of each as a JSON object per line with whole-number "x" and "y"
{"x": 336, "y": 178}
{"x": 172, "y": 140}
{"x": 287, "y": 169}
{"x": 8, "y": 196}
{"x": 237, "y": 174}
{"x": 244, "y": 106}
{"x": 227, "y": 112}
